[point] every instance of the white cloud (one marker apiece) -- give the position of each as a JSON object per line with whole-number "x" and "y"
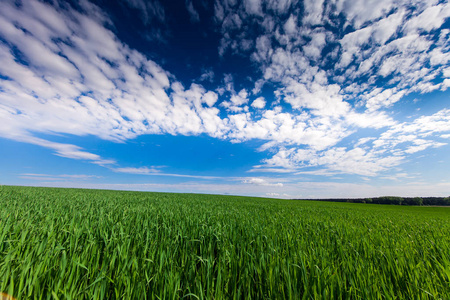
{"x": 369, "y": 119}
{"x": 279, "y": 6}
{"x": 195, "y": 17}
{"x": 74, "y": 76}
{"x": 385, "y": 43}
{"x": 290, "y": 27}
{"x": 112, "y": 103}
{"x": 284, "y": 128}
{"x": 418, "y": 133}
{"x": 58, "y": 177}
{"x": 155, "y": 171}
{"x": 431, "y": 18}
{"x": 60, "y": 149}
{"x": 420, "y": 145}
{"x": 385, "y": 152}
{"x": 360, "y": 12}
{"x": 265, "y": 169}
{"x": 140, "y": 170}
{"x": 210, "y": 98}
{"x": 336, "y": 160}
{"x": 313, "y": 49}
{"x": 321, "y": 172}
{"x": 363, "y": 141}
{"x": 147, "y": 9}
{"x": 208, "y": 75}
{"x": 263, "y": 49}
{"x": 253, "y": 7}
{"x": 275, "y": 195}
{"x": 261, "y": 181}
{"x": 259, "y": 103}
{"x": 240, "y": 98}
{"x": 313, "y": 11}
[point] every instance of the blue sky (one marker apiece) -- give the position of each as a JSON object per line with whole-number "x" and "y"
{"x": 277, "y": 98}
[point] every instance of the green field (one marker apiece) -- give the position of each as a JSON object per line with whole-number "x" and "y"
{"x": 92, "y": 244}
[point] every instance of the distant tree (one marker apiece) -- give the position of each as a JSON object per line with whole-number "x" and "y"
{"x": 446, "y": 201}
{"x": 417, "y": 201}
{"x": 394, "y": 200}
{"x": 389, "y": 200}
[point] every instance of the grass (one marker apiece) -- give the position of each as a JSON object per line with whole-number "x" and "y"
{"x": 92, "y": 244}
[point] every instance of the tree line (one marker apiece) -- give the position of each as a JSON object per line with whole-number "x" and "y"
{"x": 440, "y": 201}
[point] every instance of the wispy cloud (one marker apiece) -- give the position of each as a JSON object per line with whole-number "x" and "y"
{"x": 195, "y": 17}
{"x": 155, "y": 171}
{"x": 66, "y": 150}
{"x": 148, "y": 9}
{"x": 141, "y": 170}
{"x": 58, "y": 177}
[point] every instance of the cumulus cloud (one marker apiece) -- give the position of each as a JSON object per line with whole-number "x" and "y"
{"x": 388, "y": 40}
{"x": 91, "y": 84}
{"x": 337, "y": 160}
{"x": 253, "y": 7}
{"x": 390, "y": 50}
{"x": 369, "y": 156}
{"x": 64, "y": 71}
{"x": 259, "y": 103}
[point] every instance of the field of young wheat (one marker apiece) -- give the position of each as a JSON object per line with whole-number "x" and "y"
{"x": 92, "y": 244}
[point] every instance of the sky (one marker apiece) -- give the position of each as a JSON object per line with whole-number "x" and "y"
{"x": 271, "y": 98}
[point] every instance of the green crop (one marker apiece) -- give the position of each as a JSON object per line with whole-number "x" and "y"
{"x": 92, "y": 244}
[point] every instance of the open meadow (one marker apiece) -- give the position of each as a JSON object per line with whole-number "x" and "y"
{"x": 97, "y": 244}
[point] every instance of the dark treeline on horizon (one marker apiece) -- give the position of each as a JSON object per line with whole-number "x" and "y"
{"x": 441, "y": 201}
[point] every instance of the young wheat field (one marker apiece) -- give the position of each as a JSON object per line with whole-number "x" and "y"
{"x": 96, "y": 244}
